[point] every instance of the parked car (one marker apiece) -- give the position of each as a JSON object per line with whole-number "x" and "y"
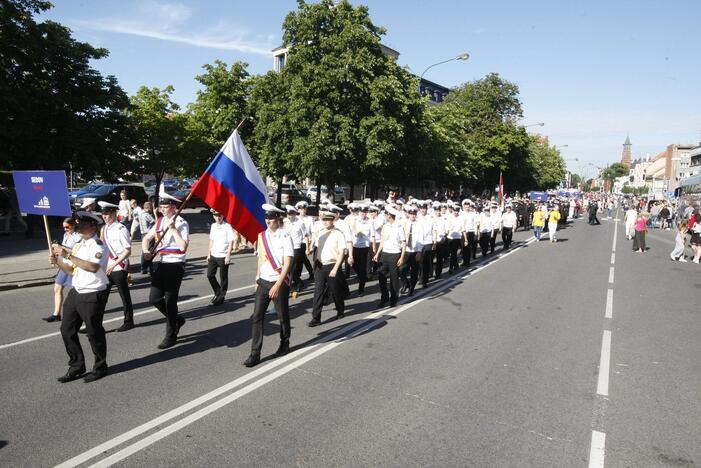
{"x": 87, "y": 189}
{"x": 289, "y": 196}
{"x": 110, "y": 193}
{"x": 339, "y": 195}
{"x": 194, "y": 202}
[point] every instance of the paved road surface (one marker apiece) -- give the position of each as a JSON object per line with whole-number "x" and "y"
{"x": 499, "y": 366}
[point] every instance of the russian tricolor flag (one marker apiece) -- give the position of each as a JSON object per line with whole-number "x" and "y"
{"x": 232, "y": 186}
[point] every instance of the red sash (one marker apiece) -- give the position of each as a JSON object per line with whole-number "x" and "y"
{"x": 110, "y": 252}
{"x": 265, "y": 242}
{"x": 159, "y": 236}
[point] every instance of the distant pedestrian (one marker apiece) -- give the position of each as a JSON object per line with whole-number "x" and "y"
{"x": 553, "y": 220}
{"x": 538, "y": 222}
{"x": 695, "y": 229}
{"x": 677, "y": 254}
{"x": 630, "y": 215}
{"x": 640, "y": 231}
{"x": 124, "y": 211}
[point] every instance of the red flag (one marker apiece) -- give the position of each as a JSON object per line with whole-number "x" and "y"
{"x": 501, "y": 190}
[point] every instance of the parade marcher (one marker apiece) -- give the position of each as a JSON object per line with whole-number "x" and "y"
{"x": 377, "y": 221}
{"x": 508, "y": 223}
{"x": 275, "y": 258}
{"x": 348, "y": 259}
{"x": 440, "y": 226}
{"x": 63, "y": 279}
{"x": 146, "y": 218}
{"x": 298, "y": 233}
{"x": 116, "y": 239}
{"x": 308, "y": 221}
{"x": 428, "y": 242}
{"x": 414, "y": 249}
{"x": 593, "y": 209}
{"x": 485, "y": 229}
{"x": 553, "y": 219}
{"x": 538, "y": 222}
{"x": 495, "y": 217}
{"x": 86, "y": 301}
{"x": 454, "y": 235}
{"x": 390, "y": 255}
{"x": 363, "y": 240}
{"x": 172, "y": 234}
{"x": 470, "y": 221}
{"x": 221, "y": 244}
{"x": 90, "y": 205}
{"x": 329, "y": 246}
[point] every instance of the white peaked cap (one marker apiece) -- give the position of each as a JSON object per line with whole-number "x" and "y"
{"x": 87, "y": 202}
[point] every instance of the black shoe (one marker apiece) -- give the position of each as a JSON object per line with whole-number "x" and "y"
{"x": 181, "y": 322}
{"x": 72, "y": 375}
{"x": 403, "y": 290}
{"x": 313, "y": 323}
{"x": 411, "y": 292}
{"x": 340, "y": 315}
{"x": 52, "y": 318}
{"x": 382, "y": 304}
{"x": 393, "y": 304}
{"x": 83, "y": 331}
{"x": 252, "y": 360}
{"x": 126, "y": 326}
{"x": 167, "y": 342}
{"x": 283, "y": 349}
{"x": 219, "y": 301}
{"x": 214, "y": 299}
{"x": 361, "y": 293}
{"x": 93, "y": 376}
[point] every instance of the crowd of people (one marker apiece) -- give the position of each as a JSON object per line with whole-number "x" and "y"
{"x": 401, "y": 243}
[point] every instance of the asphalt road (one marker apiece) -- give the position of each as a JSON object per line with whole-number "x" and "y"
{"x": 506, "y": 364}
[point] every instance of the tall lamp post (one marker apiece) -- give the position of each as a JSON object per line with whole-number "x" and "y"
{"x": 539, "y": 124}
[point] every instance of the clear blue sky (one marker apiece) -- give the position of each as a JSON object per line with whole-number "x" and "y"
{"x": 592, "y": 71}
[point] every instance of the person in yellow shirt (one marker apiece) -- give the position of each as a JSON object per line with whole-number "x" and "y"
{"x": 538, "y": 222}
{"x": 553, "y": 219}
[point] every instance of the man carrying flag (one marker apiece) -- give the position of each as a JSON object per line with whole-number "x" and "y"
{"x": 275, "y": 253}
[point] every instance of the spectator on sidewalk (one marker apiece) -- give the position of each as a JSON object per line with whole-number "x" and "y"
{"x": 124, "y": 212}
{"x": 629, "y": 217}
{"x": 695, "y": 229}
{"x": 63, "y": 279}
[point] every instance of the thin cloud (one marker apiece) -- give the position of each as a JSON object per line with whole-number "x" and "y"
{"x": 205, "y": 41}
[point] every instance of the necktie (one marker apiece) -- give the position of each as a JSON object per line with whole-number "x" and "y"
{"x": 411, "y": 227}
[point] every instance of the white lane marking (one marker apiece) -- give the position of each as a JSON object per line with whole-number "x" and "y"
{"x": 117, "y": 319}
{"x": 609, "y": 304}
{"x": 613, "y": 258}
{"x": 615, "y": 236}
{"x": 602, "y": 386}
{"x": 611, "y": 275}
{"x": 379, "y": 316}
{"x": 597, "y": 450}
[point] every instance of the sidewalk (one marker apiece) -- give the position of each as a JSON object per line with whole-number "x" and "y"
{"x": 25, "y": 263}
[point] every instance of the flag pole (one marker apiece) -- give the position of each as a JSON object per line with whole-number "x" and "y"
{"x": 152, "y": 251}
{"x": 48, "y": 234}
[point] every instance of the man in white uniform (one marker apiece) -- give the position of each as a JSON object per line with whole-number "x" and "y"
{"x": 221, "y": 243}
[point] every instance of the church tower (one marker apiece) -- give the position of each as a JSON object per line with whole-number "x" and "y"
{"x": 627, "y": 156}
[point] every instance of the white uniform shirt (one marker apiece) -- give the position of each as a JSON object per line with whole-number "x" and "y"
{"x": 330, "y": 244}
{"x": 115, "y": 237}
{"x": 485, "y": 222}
{"x": 221, "y": 235}
{"x": 280, "y": 244}
{"x": 427, "y": 228}
{"x": 308, "y": 223}
{"x": 496, "y": 220}
{"x": 93, "y": 251}
{"x": 364, "y": 231}
{"x": 508, "y": 219}
{"x": 454, "y": 227}
{"x": 169, "y": 250}
{"x": 439, "y": 225}
{"x": 297, "y": 232}
{"x": 414, "y": 235}
{"x": 377, "y": 224}
{"x": 345, "y": 228}
{"x": 392, "y": 237}
{"x": 69, "y": 240}
{"x": 470, "y": 221}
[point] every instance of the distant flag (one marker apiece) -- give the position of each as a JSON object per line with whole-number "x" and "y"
{"x": 501, "y": 190}
{"x": 232, "y": 186}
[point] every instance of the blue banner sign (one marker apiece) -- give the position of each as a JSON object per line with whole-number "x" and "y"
{"x": 42, "y": 192}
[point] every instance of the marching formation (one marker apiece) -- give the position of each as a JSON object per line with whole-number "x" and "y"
{"x": 401, "y": 244}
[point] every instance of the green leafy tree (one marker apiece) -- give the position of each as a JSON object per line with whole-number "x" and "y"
{"x": 56, "y": 111}
{"x": 218, "y": 109}
{"x": 340, "y": 110}
{"x": 479, "y": 139}
{"x": 614, "y": 171}
{"x": 545, "y": 164}
{"x": 160, "y": 133}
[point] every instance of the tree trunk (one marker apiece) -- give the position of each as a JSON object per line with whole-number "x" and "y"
{"x": 352, "y": 193}
{"x": 318, "y": 192}
{"x": 279, "y": 192}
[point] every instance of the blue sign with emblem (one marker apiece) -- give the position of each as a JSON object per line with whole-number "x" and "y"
{"x": 42, "y": 192}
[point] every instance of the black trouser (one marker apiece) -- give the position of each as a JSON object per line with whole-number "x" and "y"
{"x": 165, "y": 287}
{"x": 282, "y": 308}
{"x": 410, "y": 271}
{"x": 426, "y": 263}
{"x": 472, "y": 243}
{"x": 465, "y": 251}
{"x": 388, "y": 266}
{"x": 88, "y": 308}
{"x": 120, "y": 279}
{"x": 507, "y": 234}
{"x": 297, "y": 264}
{"x": 484, "y": 242}
{"x": 493, "y": 240}
{"x": 307, "y": 263}
{"x": 441, "y": 254}
{"x": 453, "y": 247}
{"x": 214, "y": 264}
{"x": 360, "y": 265}
{"x": 322, "y": 281}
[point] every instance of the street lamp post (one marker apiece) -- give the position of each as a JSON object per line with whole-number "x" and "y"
{"x": 539, "y": 124}
{"x": 464, "y": 56}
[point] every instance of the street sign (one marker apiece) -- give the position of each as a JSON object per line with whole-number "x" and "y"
{"x": 42, "y": 192}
